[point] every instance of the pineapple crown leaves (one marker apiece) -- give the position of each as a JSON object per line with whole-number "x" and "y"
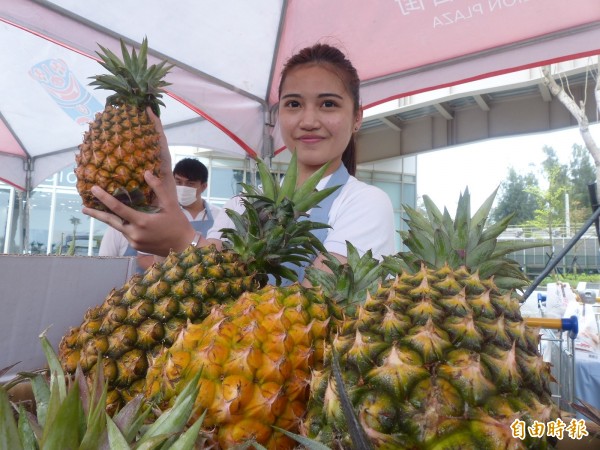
{"x": 268, "y": 233}
{"x": 347, "y": 283}
{"x": 131, "y": 79}
{"x": 70, "y": 415}
{"x": 434, "y": 238}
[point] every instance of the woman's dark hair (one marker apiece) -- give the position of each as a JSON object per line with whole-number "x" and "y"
{"x": 333, "y": 57}
{"x": 192, "y": 169}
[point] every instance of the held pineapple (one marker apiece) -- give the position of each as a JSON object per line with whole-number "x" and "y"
{"x": 121, "y": 143}
{"x": 438, "y": 357}
{"x": 135, "y": 323}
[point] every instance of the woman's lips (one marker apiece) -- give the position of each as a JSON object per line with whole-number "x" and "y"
{"x": 310, "y": 139}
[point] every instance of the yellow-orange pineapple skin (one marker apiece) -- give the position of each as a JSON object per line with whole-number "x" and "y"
{"x": 255, "y": 358}
{"x": 120, "y": 145}
{"x": 135, "y": 322}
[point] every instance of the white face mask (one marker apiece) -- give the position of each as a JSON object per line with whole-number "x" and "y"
{"x": 186, "y": 195}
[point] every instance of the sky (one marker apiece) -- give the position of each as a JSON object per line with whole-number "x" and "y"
{"x": 444, "y": 174}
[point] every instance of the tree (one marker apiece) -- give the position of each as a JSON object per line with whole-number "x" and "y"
{"x": 559, "y": 184}
{"x": 577, "y": 109}
{"x": 515, "y": 196}
{"x": 551, "y": 211}
{"x": 582, "y": 173}
{"x": 74, "y": 221}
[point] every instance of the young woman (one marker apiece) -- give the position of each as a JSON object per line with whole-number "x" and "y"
{"x": 319, "y": 116}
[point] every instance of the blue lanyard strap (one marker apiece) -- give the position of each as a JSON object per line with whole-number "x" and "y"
{"x": 320, "y": 213}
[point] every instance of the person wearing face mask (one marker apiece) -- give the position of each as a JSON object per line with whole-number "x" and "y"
{"x": 191, "y": 178}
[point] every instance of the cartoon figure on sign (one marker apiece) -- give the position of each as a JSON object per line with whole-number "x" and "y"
{"x": 54, "y": 75}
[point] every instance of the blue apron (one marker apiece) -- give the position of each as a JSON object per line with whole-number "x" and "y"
{"x": 320, "y": 213}
{"x": 199, "y": 225}
{"x": 204, "y": 225}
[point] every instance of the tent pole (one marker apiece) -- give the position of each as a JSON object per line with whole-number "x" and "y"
{"x": 9, "y": 221}
{"x": 28, "y": 163}
{"x": 267, "y": 148}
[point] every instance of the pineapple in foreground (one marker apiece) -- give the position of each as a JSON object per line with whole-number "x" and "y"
{"x": 256, "y": 357}
{"x": 122, "y": 143}
{"x": 437, "y": 357}
{"x": 136, "y": 322}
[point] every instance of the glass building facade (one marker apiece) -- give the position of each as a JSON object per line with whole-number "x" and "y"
{"x": 56, "y": 224}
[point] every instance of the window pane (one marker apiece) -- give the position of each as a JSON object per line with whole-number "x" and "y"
{"x": 69, "y": 222}
{"x": 225, "y": 183}
{"x": 391, "y": 189}
{"x": 39, "y": 219}
{"x": 4, "y": 204}
{"x": 409, "y": 194}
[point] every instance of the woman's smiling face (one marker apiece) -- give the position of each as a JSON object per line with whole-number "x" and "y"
{"x": 316, "y": 116}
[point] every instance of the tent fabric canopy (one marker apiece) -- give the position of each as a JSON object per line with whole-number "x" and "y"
{"x": 229, "y": 54}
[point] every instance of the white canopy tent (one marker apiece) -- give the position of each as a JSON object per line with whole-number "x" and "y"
{"x": 229, "y": 53}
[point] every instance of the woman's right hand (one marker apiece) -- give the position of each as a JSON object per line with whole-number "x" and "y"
{"x": 159, "y": 232}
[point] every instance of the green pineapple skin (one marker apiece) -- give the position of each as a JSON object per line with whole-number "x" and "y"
{"x": 438, "y": 355}
{"x": 417, "y": 383}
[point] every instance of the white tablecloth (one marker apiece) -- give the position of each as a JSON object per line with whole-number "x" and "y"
{"x": 587, "y": 377}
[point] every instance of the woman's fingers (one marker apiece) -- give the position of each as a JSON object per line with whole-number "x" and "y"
{"x": 119, "y": 215}
{"x": 116, "y": 206}
{"x": 165, "y": 154}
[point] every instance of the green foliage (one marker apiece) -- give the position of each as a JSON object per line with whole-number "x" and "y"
{"x": 69, "y": 414}
{"x": 515, "y": 198}
{"x": 582, "y": 173}
{"x": 571, "y": 278}
{"x": 551, "y": 211}
{"x": 545, "y": 208}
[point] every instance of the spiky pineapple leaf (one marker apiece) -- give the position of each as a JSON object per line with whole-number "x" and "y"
{"x": 9, "y": 432}
{"x": 504, "y": 247}
{"x": 289, "y": 181}
{"x": 462, "y": 219}
{"x": 41, "y": 394}
{"x": 587, "y": 410}
{"x": 28, "y": 429}
{"x": 420, "y": 244}
{"x": 496, "y": 229}
{"x": 348, "y": 282}
{"x": 267, "y": 180}
{"x": 482, "y": 214}
{"x": 57, "y": 375}
{"x": 306, "y": 442}
{"x": 188, "y": 439}
{"x": 174, "y": 419}
{"x": 442, "y": 247}
{"x": 116, "y": 440}
{"x": 93, "y": 404}
{"x": 4, "y": 371}
{"x": 418, "y": 220}
{"x": 356, "y": 431}
{"x": 130, "y": 77}
{"x": 480, "y": 253}
{"x": 62, "y": 429}
{"x": 447, "y": 224}
{"x": 433, "y": 213}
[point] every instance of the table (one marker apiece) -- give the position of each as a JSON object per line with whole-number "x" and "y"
{"x": 587, "y": 377}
